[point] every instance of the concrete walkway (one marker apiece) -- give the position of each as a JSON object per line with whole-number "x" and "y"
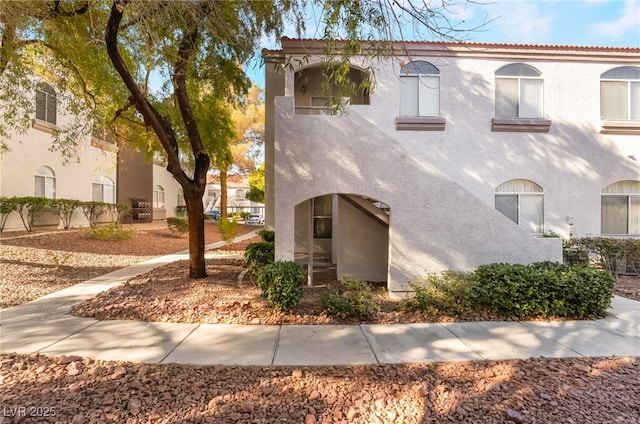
{"x": 45, "y": 326}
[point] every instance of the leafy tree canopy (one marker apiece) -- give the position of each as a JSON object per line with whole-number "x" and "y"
{"x": 158, "y": 73}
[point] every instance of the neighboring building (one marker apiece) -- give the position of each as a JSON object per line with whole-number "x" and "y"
{"x": 465, "y": 154}
{"x": 103, "y": 172}
{"x": 237, "y": 189}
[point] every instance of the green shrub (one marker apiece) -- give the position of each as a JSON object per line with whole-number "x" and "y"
{"x": 614, "y": 255}
{"x": 110, "y": 232}
{"x": 30, "y": 207}
{"x": 93, "y": 210}
{"x": 544, "y": 289}
{"x": 229, "y": 229}
{"x": 178, "y": 225}
{"x": 7, "y": 205}
{"x": 448, "y": 293}
{"x": 281, "y": 284}
{"x": 67, "y": 207}
{"x": 354, "y": 298}
{"x": 267, "y": 235}
{"x": 257, "y": 255}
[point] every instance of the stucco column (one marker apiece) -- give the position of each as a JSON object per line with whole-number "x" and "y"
{"x": 274, "y": 87}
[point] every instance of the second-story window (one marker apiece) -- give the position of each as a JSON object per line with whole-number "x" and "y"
{"x": 519, "y": 92}
{"x": 620, "y": 94}
{"x": 419, "y": 89}
{"x": 46, "y": 103}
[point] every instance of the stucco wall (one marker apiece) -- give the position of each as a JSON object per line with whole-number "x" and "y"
{"x": 363, "y": 245}
{"x": 437, "y": 224}
{"x": 572, "y": 162}
{"x": 73, "y": 179}
{"x": 171, "y": 188}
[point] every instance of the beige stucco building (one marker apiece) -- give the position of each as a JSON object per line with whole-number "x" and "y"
{"x": 99, "y": 170}
{"x": 464, "y": 154}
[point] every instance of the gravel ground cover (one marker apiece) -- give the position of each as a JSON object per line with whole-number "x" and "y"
{"x": 38, "y": 264}
{"x": 81, "y": 390}
{"x": 40, "y": 389}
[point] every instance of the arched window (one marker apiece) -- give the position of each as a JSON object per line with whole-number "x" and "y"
{"x": 103, "y": 190}
{"x": 180, "y": 200}
{"x": 46, "y": 103}
{"x": 620, "y": 208}
{"x": 419, "y": 89}
{"x": 158, "y": 197}
{"x": 620, "y": 94}
{"x": 45, "y": 182}
{"x": 241, "y": 194}
{"x": 519, "y": 90}
{"x": 522, "y": 201}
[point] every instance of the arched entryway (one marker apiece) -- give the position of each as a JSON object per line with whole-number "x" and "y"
{"x": 349, "y": 234}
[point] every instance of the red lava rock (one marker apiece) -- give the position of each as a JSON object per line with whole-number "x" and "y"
{"x": 351, "y": 413}
{"x": 118, "y": 372}
{"x": 310, "y": 419}
{"x": 74, "y": 368}
{"x": 514, "y": 416}
{"x": 296, "y": 373}
{"x": 68, "y": 359}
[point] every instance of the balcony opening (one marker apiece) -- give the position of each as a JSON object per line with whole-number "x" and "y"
{"x": 314, "y": 97}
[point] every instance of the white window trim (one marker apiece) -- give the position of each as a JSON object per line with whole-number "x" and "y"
{"x": 629, "y": 215}
{"x": 621, "y": 126}
{"x": 420, "y": 122}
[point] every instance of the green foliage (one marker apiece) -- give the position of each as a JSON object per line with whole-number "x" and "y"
{"x": 353, "y": 298}
{"x": 257, "y": 255}
{"x": 229, "y": 229}
{"x": 181, "y": 210}
{"x": 178, "y": 225}
{"x": 93, "y": 210}
{"x": 267, "y": 235}
{"x": 30, "y": 207}
{"x": 256, "y": 185}
{"x": 448, "y": 293}
{"x": 110, "y": 232}
{"x": 242, "y": 215}
{"x": 281, "y": 284}
{"x": 544, "y": 289}
{"x": 615, "y": 255}
{"x": 67, "y": 207}
{"x": 7, "y": 205}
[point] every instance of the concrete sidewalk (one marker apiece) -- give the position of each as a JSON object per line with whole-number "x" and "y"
{"x": 45, "y": 326}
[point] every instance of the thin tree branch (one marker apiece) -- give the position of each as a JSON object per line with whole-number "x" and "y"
{"x": 160, "y": 125}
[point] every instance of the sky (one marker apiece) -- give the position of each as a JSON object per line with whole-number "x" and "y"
{"x": 608, "y": 23}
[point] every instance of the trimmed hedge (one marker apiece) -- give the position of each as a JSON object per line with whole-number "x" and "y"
{"x": 543, "y": 289}
{"x": 281, "y": 284}
{"x": 29, "y": 207}
{"x": 539, "y": 290}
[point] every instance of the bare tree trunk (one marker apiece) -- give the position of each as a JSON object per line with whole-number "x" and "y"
{"x": 195, "y": 212}
{"x": 224, "y": 198}
{"x": 193, "y": 188}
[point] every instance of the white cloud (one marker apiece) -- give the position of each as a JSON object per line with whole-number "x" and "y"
{"x": 520, "y": 22}
{"x": 628, "y": 21}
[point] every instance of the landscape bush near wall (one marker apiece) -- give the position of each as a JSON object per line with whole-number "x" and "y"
{"x": 30, "y": 208}
{"x": 615, "y": 255}
{"x": 540, "y": 290}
